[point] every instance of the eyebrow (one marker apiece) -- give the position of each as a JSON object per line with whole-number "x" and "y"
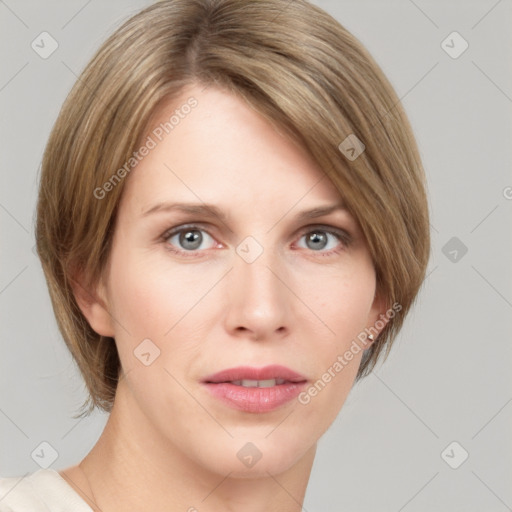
{"x": 210, "y": 210}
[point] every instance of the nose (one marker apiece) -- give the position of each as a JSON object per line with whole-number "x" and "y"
{"x": 259, "y": 302}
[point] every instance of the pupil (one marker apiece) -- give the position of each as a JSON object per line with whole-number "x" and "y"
{"x": 191, "y": 239}
{"x": 315, "y": 238}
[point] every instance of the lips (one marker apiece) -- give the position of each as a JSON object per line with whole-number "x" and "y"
{"x": 248, "y": 373}
{"x": 255, "y": 390}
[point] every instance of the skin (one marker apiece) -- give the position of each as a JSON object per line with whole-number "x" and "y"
{"x": 168, "y": 444}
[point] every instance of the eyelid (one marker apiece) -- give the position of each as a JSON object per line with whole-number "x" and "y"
{"x": 188, "y": 225}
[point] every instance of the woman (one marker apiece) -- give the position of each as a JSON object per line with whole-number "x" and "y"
{"x": 232, "y": 223}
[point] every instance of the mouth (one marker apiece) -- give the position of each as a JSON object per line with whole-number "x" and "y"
{"x": 249, "y": 376}
{"x": 268, "y": 383}
{"x": 255, "y": 390}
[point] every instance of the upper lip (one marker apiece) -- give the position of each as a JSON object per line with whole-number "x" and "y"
{"x": 251, "y": 373}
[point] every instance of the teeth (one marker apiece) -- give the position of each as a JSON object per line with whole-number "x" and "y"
{"x": 246, "y": 383}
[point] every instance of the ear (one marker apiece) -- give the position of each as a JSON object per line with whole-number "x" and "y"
{"x": 378, "y": 317}
{"x": 92, "y": 301}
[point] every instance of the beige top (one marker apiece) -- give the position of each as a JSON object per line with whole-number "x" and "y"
{"x": 42, "y": 491}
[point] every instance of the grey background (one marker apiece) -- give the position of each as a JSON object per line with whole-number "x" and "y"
{"x": 448, "y": 377}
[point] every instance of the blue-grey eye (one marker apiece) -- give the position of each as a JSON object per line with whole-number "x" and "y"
{"x": 189, "y": 239}
{"x": 319, "y": 239}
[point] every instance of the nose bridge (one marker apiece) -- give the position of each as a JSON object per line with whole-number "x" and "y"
{"x": 259, "y": 301}
{"x": 253, "y": 267}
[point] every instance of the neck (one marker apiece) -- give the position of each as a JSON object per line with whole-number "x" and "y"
{"x": 148, "y": 472}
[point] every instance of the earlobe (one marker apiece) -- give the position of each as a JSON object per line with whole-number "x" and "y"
{"x": 378, "y": 318}
{"x": 93, "y": 304}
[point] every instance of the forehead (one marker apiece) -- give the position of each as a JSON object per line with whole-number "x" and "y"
{"x": 222, "y": 149}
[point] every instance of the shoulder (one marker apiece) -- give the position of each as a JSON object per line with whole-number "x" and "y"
{"x": 42, "y": 491}
{"x": 17, "y": 494}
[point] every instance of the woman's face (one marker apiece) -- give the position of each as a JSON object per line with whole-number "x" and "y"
{"x": 192, "y": 294}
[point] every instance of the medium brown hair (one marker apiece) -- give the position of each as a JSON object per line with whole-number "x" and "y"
{"x": 299, "y": 68}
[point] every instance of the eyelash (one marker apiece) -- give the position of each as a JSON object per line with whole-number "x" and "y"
{"x": 344, "y": 238}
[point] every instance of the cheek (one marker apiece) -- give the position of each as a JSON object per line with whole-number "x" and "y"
{"x": 150, "y": 297}
{"x": 139, "y": 304}
{"x": 344, "y": 306}
{"x": 167, "y": 304}
{"x": 343, "y": 301}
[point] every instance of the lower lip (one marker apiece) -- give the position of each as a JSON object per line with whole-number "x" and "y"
{"x": 255, "y": 399}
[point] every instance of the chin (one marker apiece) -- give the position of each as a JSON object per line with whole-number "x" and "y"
{"x": 256, "y": 459}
